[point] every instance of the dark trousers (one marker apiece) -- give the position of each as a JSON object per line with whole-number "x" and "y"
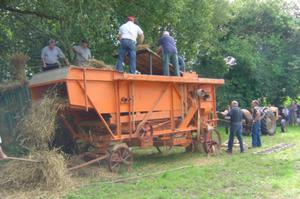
{"x": 51, "y": 67}
{"x": 167, "y": 57}
{"x": 256, "y": 132}
{"x": 127, "y": 46}
{"x": 235, "y": 129}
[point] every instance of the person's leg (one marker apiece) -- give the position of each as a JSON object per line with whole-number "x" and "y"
{"x": 240, "y": 138}
{"x": 166, "y": 62}
{"x": 174, "y": 61}
{"x": 132, "y": 57}
{"x": 121, "y": 56}
{"x": 259, "y": 134}
{"x": 231, "y": 138}
{"x": 253, "y": 135}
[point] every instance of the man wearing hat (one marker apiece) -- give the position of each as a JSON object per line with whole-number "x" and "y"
{"x": 50, "y": 55}
{"x": 236, "y": 116}
{"x": 168, "y": 48}
{"x": 128, "y": 34}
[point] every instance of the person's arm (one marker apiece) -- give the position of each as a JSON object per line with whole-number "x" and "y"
{"x": 159, "y": 49}
{"x": 62, "y": 56}
{"x": 141, "y": 38}
{"x": 141, "y": 35}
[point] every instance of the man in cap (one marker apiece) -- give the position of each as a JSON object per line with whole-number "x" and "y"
{"x": 128, "y": 34}
{"x": 256, "y": 124}
{"x": 2, "y": 154}
{"x": 236, "y": 116}
{"x": 168, "y": 48}
{"x": 83, "y": 53}
{"x": 50, "y": 55}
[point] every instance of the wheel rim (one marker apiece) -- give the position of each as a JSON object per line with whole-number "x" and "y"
{"x": 120, "y": 159}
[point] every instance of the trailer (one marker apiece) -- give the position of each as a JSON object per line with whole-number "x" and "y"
{"x": 112, "y": 111}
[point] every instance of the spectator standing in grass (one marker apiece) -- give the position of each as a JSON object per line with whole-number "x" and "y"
{"x": 256, "y": 124}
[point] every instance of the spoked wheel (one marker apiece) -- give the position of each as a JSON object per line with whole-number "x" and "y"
{"x": 212, "y": 142}
{"x": 120, "y": 158}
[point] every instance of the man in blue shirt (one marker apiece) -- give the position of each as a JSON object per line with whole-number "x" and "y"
{"x": 168, "y": 48}
{"x": 236, "y": 116}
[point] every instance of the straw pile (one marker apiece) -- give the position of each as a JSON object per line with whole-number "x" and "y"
{"x": 142, "y": 46}
{"x": 19, "y": 60}
{"x": 50, "y": 172}
{"x": 10, "y": 86}
{"x": 99, "y": 64}
{"x": 37, "y": 127}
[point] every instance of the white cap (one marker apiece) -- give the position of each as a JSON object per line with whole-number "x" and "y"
{"x": 166, "y": 33}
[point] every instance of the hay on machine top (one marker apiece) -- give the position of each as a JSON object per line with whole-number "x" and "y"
{"x": 112, "y": 111}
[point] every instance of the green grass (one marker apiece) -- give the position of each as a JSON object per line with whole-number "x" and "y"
{"x": 237, "y": 176}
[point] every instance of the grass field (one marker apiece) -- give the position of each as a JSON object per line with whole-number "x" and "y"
{"x": 176, "y": 174}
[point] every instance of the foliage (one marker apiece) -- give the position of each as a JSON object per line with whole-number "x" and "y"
{"x": 262, "y": 35}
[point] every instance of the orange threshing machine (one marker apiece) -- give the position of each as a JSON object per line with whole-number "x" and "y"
{"x": 112, "y": 111}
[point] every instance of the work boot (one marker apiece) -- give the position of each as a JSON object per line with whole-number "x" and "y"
{"x": 229, "y": 151}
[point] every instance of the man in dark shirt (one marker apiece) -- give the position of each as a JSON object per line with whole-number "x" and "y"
{"x": 169, "y": 53}
{"x": 236, "y": 115}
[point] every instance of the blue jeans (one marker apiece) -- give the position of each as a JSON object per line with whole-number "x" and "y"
{"x": 174, "y": 61}
{"x": 127, "y": 46}
{"x": 235, "y": 129}
{"x": 256, "y": 132}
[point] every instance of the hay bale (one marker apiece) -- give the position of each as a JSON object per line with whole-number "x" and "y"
{"x": 142, "y": 46}
{"x": 50, "y": 173}
{"x": 10, "y": 86}
{"x": 19, "y": 60}
{"x": 38, "y": 125}
{"x": 99, "y": 64}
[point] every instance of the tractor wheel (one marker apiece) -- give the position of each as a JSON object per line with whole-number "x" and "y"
{"x": 212, "y": 142}
{"x": 268, "y": 123}
{"x": 120, "y": 158}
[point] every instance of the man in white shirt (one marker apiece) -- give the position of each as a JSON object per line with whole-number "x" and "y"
{"x": 83, "y": 53}
{"x": 50, "y": 55}
{"x": 128, "y": 33}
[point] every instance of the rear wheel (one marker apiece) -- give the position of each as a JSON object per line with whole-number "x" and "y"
{"x": 268, "y": 123}
{"x": 120, "y": 158}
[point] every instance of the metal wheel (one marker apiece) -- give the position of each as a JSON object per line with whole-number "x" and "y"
{"x": 120, "y": 158}
{"x": 212, "y": 142}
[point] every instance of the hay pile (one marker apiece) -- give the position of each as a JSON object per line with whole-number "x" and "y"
{"x": 99, "y": 64}
{"x": 142, "y": 46}
{"x": 38, "y": 125}
{"x": 19, "y": 60}
{"x": 37, "y": 130}
{"x": 18, "y": 76}
{"x": 50, "y": 172}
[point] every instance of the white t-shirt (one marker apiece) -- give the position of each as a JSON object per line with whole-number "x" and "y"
{"x": 130, "y": 30}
